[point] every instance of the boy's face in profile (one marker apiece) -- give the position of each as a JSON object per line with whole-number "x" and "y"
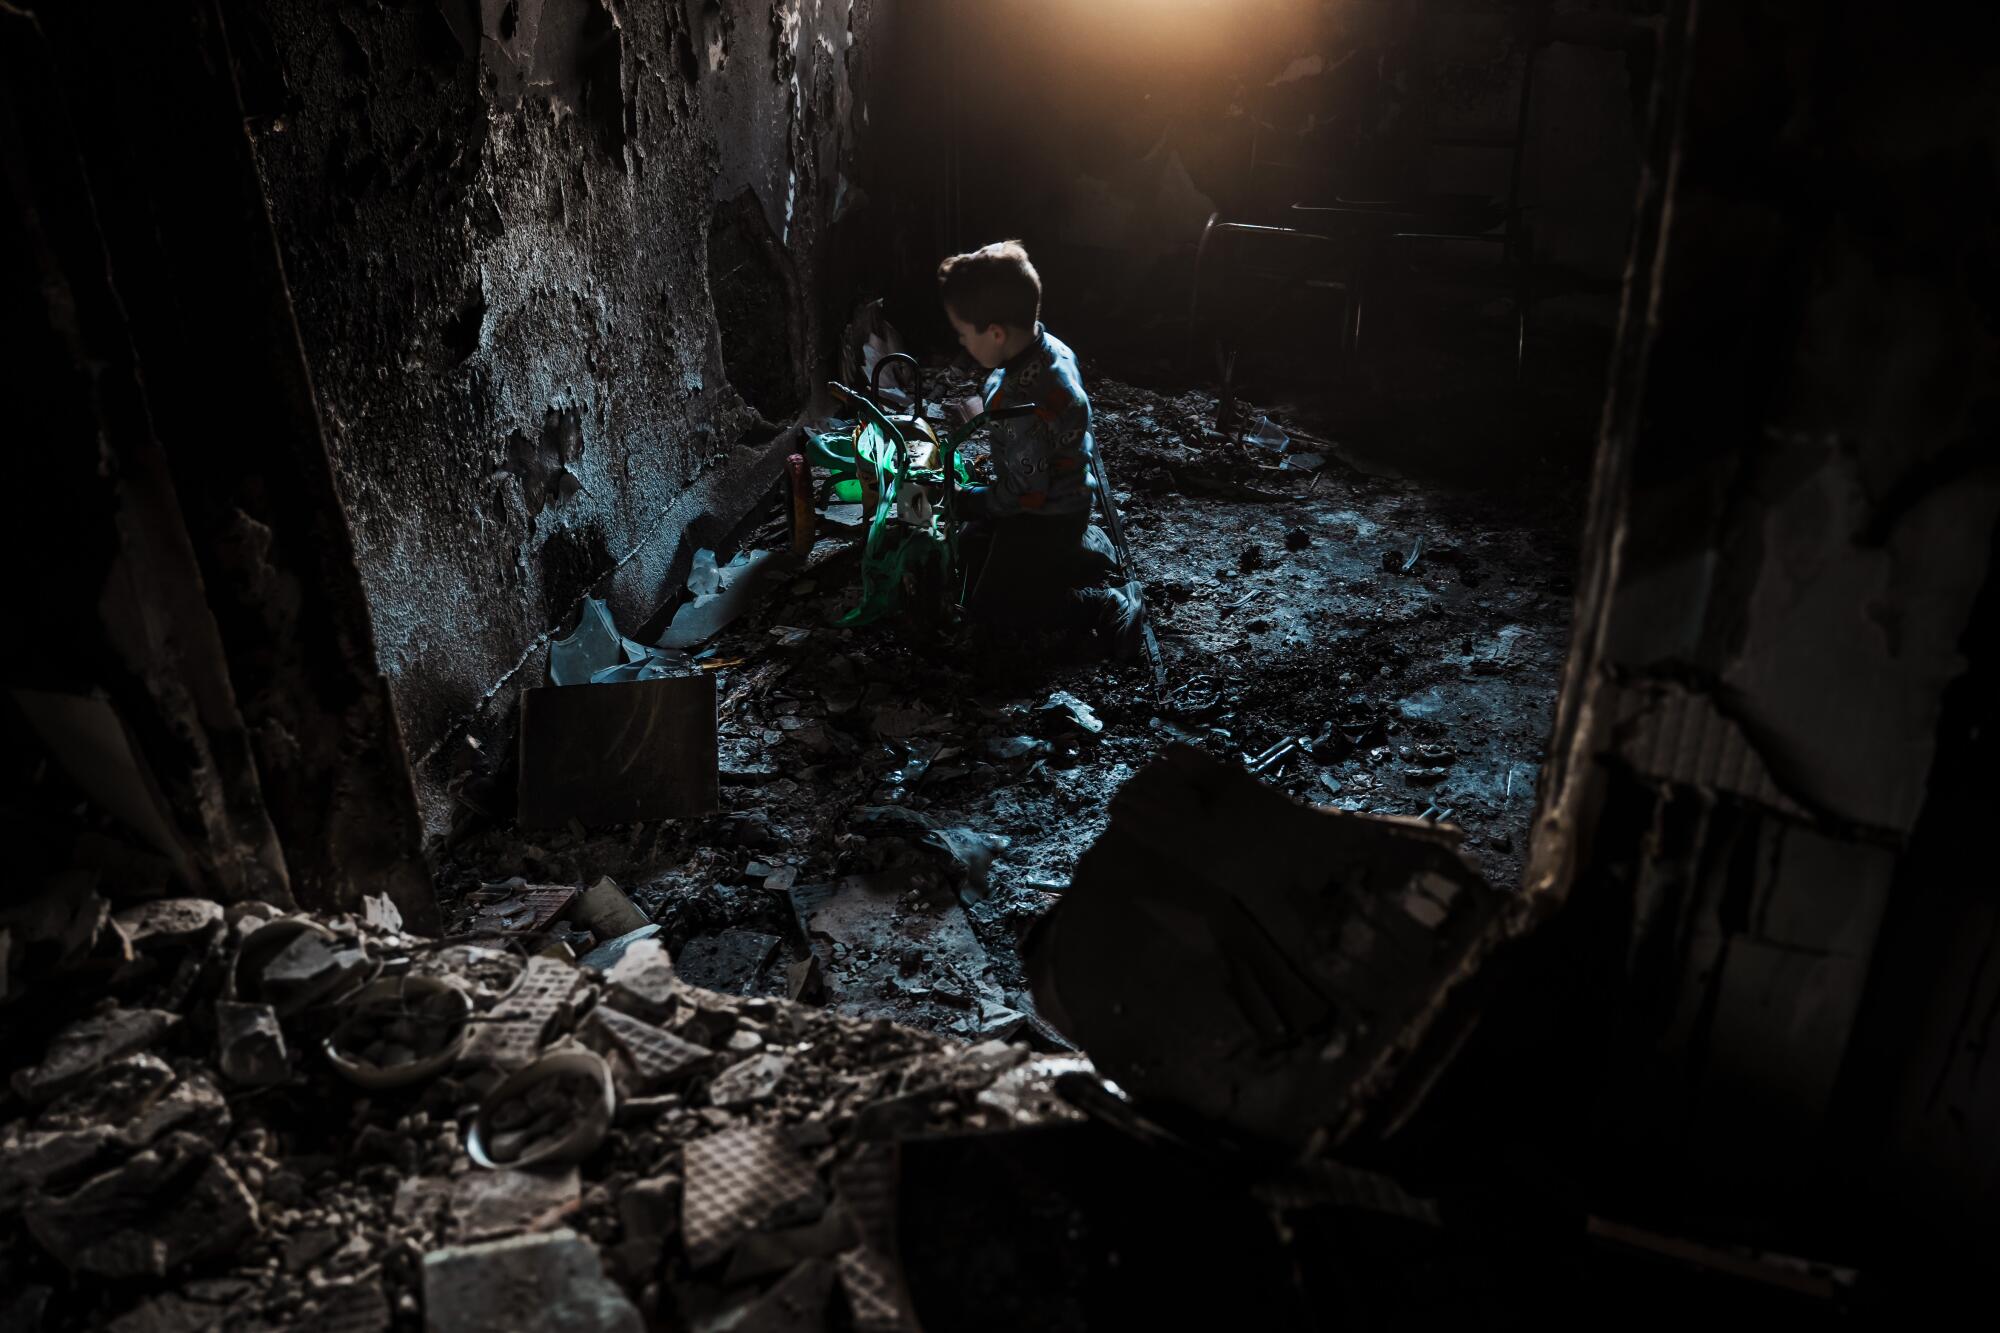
{"x": 983, "y": 345}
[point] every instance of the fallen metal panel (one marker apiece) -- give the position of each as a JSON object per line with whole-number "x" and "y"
{"x": 611, "y": 754}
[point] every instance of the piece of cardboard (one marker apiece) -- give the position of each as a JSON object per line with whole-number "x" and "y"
{"x": 615, "y": 753}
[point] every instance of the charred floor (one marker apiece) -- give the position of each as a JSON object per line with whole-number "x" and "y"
{"x": 523, "y": 821}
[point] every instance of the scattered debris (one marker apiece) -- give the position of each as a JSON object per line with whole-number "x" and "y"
{"x": 606, "y": 912}
{"x": 732, "y": 962}
{"x": 1064, "y": 705}
{"x": 1267, "y": 434}
{"x": 1416, "y": 554}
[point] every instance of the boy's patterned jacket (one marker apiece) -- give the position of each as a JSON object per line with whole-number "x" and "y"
{"x": 1042, "y": 462}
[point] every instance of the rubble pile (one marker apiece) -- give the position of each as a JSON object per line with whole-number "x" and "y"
{"x": 244, "y": 1119}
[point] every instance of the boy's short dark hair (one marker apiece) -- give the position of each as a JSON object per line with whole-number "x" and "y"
{"x": 995, "y": 284}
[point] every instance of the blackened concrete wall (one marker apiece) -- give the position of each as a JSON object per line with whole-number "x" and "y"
{"x": 1768, "y": 749}
{"x": 549, "y": 259}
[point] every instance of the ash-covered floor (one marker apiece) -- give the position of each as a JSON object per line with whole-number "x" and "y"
{"x": 906, "y": 809}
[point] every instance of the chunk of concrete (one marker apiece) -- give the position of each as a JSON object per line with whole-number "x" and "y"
{"x": 650, "y": 1213}
{"x": 250, "y": 1045}
{"x": 310, "y": 968}
{"x": 170, "y": 1206}
{"x": 553, "y": 1282}
{"x": 168, "y": 921}
{"x": 642, "y": 982}
{"x": 86, "y": 1046}
{"x": 488, "y": 1204}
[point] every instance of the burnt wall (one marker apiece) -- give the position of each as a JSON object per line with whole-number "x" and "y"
{"x": 202, "y": 639}
{"x": 502, "y": 224}
{"x": 1774, "y": 970}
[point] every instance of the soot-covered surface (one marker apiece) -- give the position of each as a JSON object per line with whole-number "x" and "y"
{"x": 869, "y": 766}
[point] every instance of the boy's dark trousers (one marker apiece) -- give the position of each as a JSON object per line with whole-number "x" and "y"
{"x": 1026, "y": 572}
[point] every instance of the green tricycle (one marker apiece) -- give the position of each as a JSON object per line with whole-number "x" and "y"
{"x": 899, "y": 462}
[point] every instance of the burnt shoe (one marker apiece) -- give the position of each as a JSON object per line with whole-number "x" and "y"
{"x": 1118, "y": 622}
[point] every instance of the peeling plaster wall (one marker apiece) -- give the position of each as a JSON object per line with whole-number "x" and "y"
{"x": 496, "y": 220}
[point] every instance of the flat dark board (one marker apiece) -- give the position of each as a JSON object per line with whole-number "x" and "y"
{"x": 610, "y": 754}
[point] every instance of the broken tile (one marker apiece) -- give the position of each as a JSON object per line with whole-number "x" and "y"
{"x": 644, "y": 1058}
{"x": 1065, "y": 712}
{"x": 517, "y": 906}
{"x": 804, "y": 981}
{"x": 739, "y": 1181}
{"x": 874, "y": 1291}
{"x": 552, "y": 1281}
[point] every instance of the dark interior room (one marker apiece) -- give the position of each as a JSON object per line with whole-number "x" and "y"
{"x": 759, "y": 666}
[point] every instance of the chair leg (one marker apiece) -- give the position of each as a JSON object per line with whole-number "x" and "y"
{"x": 1523, "y": 294}
{"x": 1357, "y": 302}
{"x": 1201, "y": 254}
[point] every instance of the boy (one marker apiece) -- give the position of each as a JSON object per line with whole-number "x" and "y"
{"x": 1031, "y": 555}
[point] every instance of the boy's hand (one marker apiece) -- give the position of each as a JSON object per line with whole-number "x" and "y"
{"x": 965, "y": 409}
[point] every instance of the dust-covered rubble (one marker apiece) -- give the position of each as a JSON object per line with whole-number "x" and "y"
{"x": 210, "y": 1164}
